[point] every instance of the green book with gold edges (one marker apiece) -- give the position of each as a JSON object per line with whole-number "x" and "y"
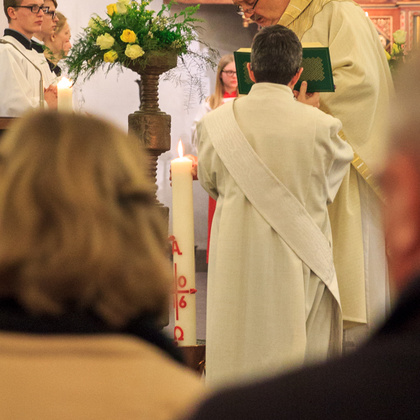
{"x": 316, "y": 65}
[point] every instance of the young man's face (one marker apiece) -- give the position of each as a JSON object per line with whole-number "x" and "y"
{"x": 263, "y": 12}
{"x": 23, "y": 20}
{"x": 49, "y": 24}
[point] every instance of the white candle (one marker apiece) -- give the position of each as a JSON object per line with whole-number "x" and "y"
{"x": 65, "y": 95}
{"x": 183, "y": 250}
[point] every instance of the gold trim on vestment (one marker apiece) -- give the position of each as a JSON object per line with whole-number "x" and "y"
{"x": 299, "y": 9}
{"x": 364, "y": 171}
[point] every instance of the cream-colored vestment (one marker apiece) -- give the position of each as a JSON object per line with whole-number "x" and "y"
{"x": 266, "y": 310}
{"x": 363, "y": 87}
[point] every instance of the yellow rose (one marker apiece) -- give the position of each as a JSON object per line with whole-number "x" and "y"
{"x": 388, "y": 57}
{"x": 111, "y": 9}
{"x": 395, "y": 49}
{"x": 126, "y": 2}
{"x": 399, "y": 36}
{"x": 134, "y": 51}
{"x": 110, "y": 56}
{"x": 128, "y": 36}
{"x": 105, "y": 41}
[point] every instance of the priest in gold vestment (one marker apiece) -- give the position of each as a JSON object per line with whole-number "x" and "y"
{"x": 363, "y": 87}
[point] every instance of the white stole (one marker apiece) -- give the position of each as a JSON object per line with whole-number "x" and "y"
{"x": 271, "y": 198}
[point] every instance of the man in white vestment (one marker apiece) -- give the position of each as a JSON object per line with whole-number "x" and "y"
{"x": 19, "y": 77}
{"x": 273, "y": 299}
{"x": 363, "y": 87}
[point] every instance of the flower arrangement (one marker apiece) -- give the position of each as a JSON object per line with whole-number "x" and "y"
{"x": 128, "y": 34}
{"x": 397, "y": 53}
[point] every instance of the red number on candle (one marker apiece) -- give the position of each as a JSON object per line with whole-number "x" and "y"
{"x": 182, "y": 302}
{"x": 182, "y": 281}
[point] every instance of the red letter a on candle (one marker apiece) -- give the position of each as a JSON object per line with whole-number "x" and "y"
{"x": 175, "y": 248}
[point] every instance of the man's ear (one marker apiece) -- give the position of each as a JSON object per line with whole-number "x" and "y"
{"x": 295, "y": 78}
{"x": 11, "y": 12}
{"x": 250, "y": 72}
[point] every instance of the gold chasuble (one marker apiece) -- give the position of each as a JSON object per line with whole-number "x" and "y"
{"x": 363, "y": 86}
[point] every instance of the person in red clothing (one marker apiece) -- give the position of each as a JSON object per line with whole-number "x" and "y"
{"x": 226, "y": 89}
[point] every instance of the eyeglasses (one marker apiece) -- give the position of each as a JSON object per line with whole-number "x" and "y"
{"x": 34, "y": 8}
{"x": 229, "y": 72}
{"x": 242, "y": 10}
{"x": 51, "y": 13}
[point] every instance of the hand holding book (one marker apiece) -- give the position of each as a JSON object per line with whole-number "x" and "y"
{"x": 308, "y": 98}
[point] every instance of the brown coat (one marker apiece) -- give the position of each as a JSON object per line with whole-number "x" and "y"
{"x": 91, "y": 377}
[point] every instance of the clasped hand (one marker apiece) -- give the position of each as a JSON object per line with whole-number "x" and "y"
{"x": 50, "y": 96}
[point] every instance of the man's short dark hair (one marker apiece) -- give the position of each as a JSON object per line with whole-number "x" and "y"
{"x": 276, "y": 55}
{"x": 55, "y": 3}
{"x": 10, "y": 3}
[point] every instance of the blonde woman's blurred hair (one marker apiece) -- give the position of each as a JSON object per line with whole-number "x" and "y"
{"x": 79, "y": 228}
{"x": 216, "y": 99}
{"x": 60, "y": 23}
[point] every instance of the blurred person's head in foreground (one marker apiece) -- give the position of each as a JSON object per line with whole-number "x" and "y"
{"x": 79, "y": 229}
{"x": 401, "y": 178}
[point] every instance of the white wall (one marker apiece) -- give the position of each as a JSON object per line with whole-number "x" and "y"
{"x": 115, "y": 96}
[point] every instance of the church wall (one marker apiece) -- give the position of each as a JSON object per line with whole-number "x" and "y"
{"x": 391, "y": 16}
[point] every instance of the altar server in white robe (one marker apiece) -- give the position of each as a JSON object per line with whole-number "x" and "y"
{"x": 19, "y": 79}
{"x": 363, "y": 88}
{"x": 273, "y": 164}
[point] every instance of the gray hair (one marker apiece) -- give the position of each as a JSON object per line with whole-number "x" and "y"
{"x": 276, "y": 55}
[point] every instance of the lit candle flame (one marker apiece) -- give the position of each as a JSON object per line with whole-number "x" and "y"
{"x": 64, "y": 83}
{"x": 180, "y": 149}
{"x": 367, "y": 14}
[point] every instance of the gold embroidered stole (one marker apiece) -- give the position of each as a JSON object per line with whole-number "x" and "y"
{"x": 299, "y": 14}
